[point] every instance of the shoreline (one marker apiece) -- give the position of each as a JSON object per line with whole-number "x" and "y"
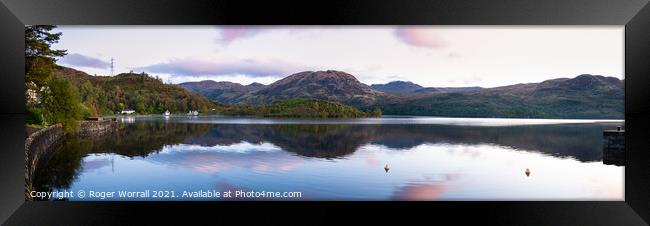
{"x": 386, "y": 119}
{"x": 597, "y": 120}
{"x": 39, "y": 147}
{"x": 42, "y": 143}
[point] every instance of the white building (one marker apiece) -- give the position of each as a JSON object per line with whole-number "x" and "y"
{"x": 127, "y": 112}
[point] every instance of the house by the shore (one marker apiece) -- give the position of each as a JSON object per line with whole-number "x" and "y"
{"x": 127, "y": 112}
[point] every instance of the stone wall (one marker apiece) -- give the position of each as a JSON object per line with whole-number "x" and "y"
{"x": 614, "y": 147}
{"x": 39, "y": 146}
{"x": 96, "y": 128}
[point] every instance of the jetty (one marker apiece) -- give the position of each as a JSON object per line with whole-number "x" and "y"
{"x": 614, "y": 147}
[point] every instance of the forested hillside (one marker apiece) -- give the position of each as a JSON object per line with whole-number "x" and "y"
{"x": 105, "y": 95}
{"x": 301, "y": 108}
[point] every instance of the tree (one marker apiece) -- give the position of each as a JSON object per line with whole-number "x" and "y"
{"x": 376, "y": 112}
{"x": 63, "y": 104}
{"x": 139, "y": 105}
{"x": 39, "y": 57}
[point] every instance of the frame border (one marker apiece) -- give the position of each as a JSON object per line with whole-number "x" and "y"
{"x": 634, "y": 14}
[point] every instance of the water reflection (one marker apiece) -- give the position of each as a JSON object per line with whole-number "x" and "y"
{"x": 420, "y": 190}
{"x": 331, "y": 161}
{"x": 583, "y": 142}
{"x": 257, "y": 157}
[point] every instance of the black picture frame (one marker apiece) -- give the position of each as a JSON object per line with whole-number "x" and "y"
{"x": 634, "y": 14}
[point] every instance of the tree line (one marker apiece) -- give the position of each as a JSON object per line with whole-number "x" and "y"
{"x": 301, "y": 108}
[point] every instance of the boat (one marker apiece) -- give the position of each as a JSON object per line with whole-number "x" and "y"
{"x": 166, "y": 113}
{"x": 193, "y": 113}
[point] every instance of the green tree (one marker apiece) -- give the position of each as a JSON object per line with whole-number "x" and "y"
{"x": 36, "y": 116}
{"x": 376, "y": 112}
{"x": 139, "y": 105}
{"x": 39, "y": 63}
{"x": 63, "y": 104}
{"x": 39, "y": 57}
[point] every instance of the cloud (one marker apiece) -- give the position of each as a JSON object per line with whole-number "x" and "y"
{"x": 420, "y": 37}
{"x": 79, "y": 60}
{"x": 221, "y": 158}
{"x": 221, "y": 67}
{"x": 230, "y": 34}
{"x": 90, "y": 165}
{"x": 421, "y": 191}
{"x": 454, "y": 55}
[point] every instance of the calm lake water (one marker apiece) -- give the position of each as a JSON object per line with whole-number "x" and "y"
{"x": 341, "y": 159}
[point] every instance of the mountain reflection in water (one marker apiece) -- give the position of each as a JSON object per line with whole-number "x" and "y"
{"x": 343, "y": 161}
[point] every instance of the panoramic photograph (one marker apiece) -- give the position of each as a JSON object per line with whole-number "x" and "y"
{"x": 324, "y": 113}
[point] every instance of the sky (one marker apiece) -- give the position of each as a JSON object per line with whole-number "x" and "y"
{"x": 432, "y": 56}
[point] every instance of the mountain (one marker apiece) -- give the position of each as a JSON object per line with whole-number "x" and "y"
{"x": 585, "y": 83}
{"x": 255, "y": 86}
{"x": 203, "y": 85}
{"x": 223, "y": 92}
{"x": 585, "y": 96}
{"x": 408, "y": 88}
{"x": 471, "y": 89}
{"x": 328, "y": 85}
{"x": 397, "y": 87}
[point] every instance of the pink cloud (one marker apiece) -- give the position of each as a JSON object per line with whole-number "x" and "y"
{"x": 420, "y": 37}
{"x": 214, "y": 161}
{"x": 421, "y": 191}
{"x": 252, "y": 67}
{"x": 372, "y": 160}
{"x": 203, "y": 163}
{"x": 276, "y": 166}
{"x": 233, "y": 33}
{"x": 290, "y": 165}
{"x": 75, "y": 59}
{"x": 260, "y": 168}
